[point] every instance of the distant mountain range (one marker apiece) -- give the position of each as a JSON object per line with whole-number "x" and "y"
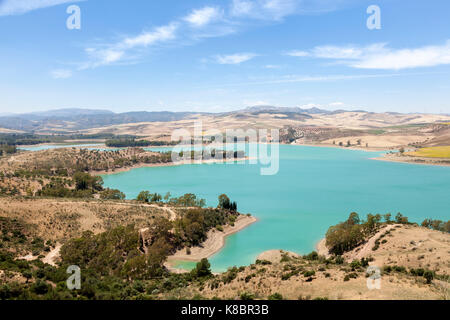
{"x": 79, "y": 119}
{"x": 309, "y": 111}
{"x": 75, "y": 119}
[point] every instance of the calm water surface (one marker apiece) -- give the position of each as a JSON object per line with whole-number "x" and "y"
{"x": 315, "y": 188}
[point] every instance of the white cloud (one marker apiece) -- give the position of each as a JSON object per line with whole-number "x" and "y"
{"x": 429, "y": 56}
{"x": 191, "y": 28}
{"x": 121, "y": 50}
{"x": 204, "y": 16}
{"x": 237, "y": 58}
{"x": 160, "y": 34}
{"x": 264, "y": 9}
{"x": 61, "y": 74}
{"x": 272, "y": 66}
{"x": 297, "y": 53}
{"x": 379, "y": 56}
{"x": 15, "y": 7}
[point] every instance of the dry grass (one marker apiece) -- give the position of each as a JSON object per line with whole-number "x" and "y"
{"x": 432, "y": 152}
{"x": 245, "y": 120}
{"x": 62, "y": 219}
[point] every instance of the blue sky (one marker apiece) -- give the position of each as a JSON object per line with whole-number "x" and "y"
{"x": 224, "y": 55}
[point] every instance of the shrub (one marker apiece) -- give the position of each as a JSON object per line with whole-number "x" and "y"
{"x": 247, "y": 296}
{"x": 112, "y": 194}
{"x": 40, "y": 287}
{"x": 309, "y": 273}
{"x": 355, "y": 264}
{"x": 275, "y": 296}
{"x": 339, "y": 260}
{"x": 429, "y": 276}
{"x": 312, "y": 256}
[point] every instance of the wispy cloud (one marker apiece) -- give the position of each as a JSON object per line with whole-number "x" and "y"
{"x": 320, "y": 78}
{"x": 122, "y": 50}
{"x": 198, "y": 24}
{"x": 15, "y": 7}
{"x": 297, "y": 53}
{"x": 380, "y": 56}
{"x": 279, "y": 9}
{"x": 146, "y": 39}
{"x": 237, "y": 58}
{"x": 204, "y": 16}
{"x": 264, "y": 9}
{"x": 61, "y": 74}
{"x": 272, "y": 66}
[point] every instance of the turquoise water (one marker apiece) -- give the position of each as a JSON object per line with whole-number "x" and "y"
{"x": 314, "y": 188}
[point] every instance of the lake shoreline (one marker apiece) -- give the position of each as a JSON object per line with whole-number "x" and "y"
{"x": 214, "y": 243}
{"x": 354, "y": 148}
{"x": 168, "y": 164}
{"x": 414, "y": 160}
{"x": 322, "y": 249}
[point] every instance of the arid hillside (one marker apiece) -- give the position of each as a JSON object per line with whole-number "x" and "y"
{"x": 62, "y": 219}
{"x": 402, "y": 256}
{"x": 361, "y": 129}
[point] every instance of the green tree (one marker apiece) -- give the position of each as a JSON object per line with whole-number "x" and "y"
{"x": 112, "y": 194}
{"x": 203, "y": 268}
{"x": 224, "y": 202}
{"x": 399, "y": 218}
{"x": 84, "y": 181}
{"x": 156, "y": 197}
{"x": 167, "y": 196}
{"x": 353, "y": 219}
{"x": 144, "y": 196}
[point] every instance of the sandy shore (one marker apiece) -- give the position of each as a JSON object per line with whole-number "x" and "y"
{"x": 169, "y": 164}
{"x": 275, "y": 256}
{"x": 322, "y": 249}
{"x": 415, "y": 160}
{"x": 214, "y": 242}
{"x": 353, "y": 147}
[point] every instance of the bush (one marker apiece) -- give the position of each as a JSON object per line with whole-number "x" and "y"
{"x": 339, "y": 260}
{"x": 309, "y": 273}
{"x": 355, "y": 264}
{"x": 312, "y": 256}
{"x": 40, "y": 287}
{"x": 263, "y": 262}
{"x": 112, "y": 194}
{"x": 275, "y": 296}
{"x": 247, "y": 296}
{"x": 429, "y": 276}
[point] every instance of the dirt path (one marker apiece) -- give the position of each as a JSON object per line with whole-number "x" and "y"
{"x": 172, "y": 214}
{"x": 366, "y": 248}
{"x": 52, "y": 255}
